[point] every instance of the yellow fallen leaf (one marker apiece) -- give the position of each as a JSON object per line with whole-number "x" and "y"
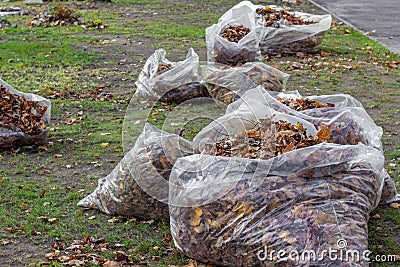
{"x": 324, "y": 132}
{"x": 104, "y": 144}
{"x": 57, "y": 156}
{"x": 198, "y": 211}
{"x": 195, "y": 221}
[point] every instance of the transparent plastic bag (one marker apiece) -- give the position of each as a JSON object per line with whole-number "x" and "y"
{"x": 236, "y": 211}
{"x": 349, "y": 121}
{"x": 283, "y": 39}
{"x": 227, "y": 84}
{"x": 13, "y": 135}
{"x": 161, "y": 79}
{"x": 225, "y": 52}
{"x": 138, "y": 185}
{"x": 294, "y": 38}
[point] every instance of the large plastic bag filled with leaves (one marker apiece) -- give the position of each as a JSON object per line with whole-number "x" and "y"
{"x": 281, "y": 31}
{"x": 138, "y": 185}
{"x": 167, "y": 81}
{"x": 272, "y": 186}
{"x": 233, "y": 42}
{"x": 349, "y": 122}
{"x": 287, "y": 32}
{"x": 227, "y": 84}
{"x": 24, "y": 117}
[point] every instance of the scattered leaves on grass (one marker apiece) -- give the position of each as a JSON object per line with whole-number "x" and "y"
{"x": 96, "y": 94}
{"x": 46, "y": 219}
{"x": 391, "y": 64}
{"x": 86, "y": 252}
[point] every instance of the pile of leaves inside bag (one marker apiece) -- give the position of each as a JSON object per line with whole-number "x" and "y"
{"x": 24, "y": 118}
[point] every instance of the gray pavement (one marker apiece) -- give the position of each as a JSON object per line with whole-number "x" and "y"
{"x": 379, "y": 17}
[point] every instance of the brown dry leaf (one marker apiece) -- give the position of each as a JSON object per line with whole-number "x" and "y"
{"x": 195, "y": 221}
{"x": 120, "y": 256}
{"x": 324, "y": 132}
{"x": 395, "y": 205}
{"x": 53, "y": 220}
{"x": 109, "y": 263}
{"x": 52, "y": 255}
{"x": 23, "y": 206}
{"x": 91, "y": 217}
{"x": 57, "y": 156}
{"x": 376, "y": 216}
{"x": 2, "y": 180}
{"x": 113, "y": 220}
{"x": 191, "y": 263}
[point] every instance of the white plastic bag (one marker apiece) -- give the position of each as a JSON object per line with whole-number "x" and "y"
{"x": 223, "y": 51}
{"x": 138, "y": 185}
{"x": 12, "y": 135}
{"x": 178, "y": 82}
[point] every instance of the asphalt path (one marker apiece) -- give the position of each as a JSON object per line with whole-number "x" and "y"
{"x": 380, "y": 19}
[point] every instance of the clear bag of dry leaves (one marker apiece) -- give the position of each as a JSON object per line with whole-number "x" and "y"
{"x": 349, "y": 122}
{"x": 281, "y": 31}
{"x": 233, "y": 42}
{"x": 235, "y": 211}
{"x": 295, "y": 32}
{"x": 227, "y": 84}
{"x": 24, "y": 117}
{"x": 138, "y": 185}
{"x": 161, "y": 79}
